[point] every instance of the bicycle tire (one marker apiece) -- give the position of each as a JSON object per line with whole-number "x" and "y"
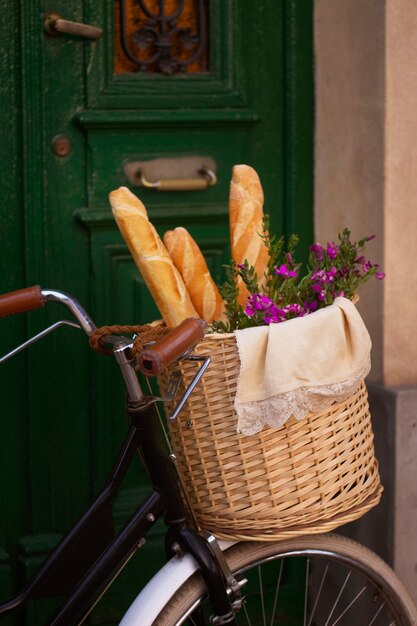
{"x": 384, "y": 589}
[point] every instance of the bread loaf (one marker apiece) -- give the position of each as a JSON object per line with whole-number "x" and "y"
{"x": 191, "y": 264}
{"x": 151, "y": 257}
{"x": 246, "y": 215}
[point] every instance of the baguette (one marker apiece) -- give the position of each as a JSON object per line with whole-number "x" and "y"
{"x": 151, "y": 257}
{"x": 245, "y": 215}
{"x": 190, "y": 262}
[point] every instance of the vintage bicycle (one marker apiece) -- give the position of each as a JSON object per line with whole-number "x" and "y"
{"x": 205, "y": 581}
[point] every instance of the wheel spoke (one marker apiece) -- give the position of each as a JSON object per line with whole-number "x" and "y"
{"x": 318, "y": 594}
{"x": 261, "y": 589}
{"x": 338, "y": 598}
{"x": 349, "y": 605}
{"x": 277, "y": 588}
{"x": 249, "y": 623}
{"x": 306, "y": 592}
{"x": 376, "y": 614}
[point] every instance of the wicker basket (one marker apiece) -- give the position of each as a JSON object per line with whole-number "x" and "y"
{"x": 307, "y": 476}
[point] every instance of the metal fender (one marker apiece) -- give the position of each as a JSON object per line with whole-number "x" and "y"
{"x": 157, "y": 592}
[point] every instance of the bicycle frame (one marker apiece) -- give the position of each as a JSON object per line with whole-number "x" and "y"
{"x": 90, "y": 556}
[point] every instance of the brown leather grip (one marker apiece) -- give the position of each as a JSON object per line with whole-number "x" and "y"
{"x": 154, "y": 359}
{"x": 21, "y": 301}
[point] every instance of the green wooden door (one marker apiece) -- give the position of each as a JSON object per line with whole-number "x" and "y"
{"x": 248, "y": 99}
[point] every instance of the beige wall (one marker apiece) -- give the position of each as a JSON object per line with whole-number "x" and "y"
{"x": 366, "y": 160}
{"x": 366, "y": 178}
{"x": 400, "y": 207}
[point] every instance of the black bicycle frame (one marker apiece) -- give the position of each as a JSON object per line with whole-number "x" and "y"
{"x": 90, "y": 556}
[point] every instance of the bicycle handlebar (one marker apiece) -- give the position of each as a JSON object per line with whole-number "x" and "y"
{"x": 35, "y": 297}
{"x": 180, "y": 340}
{"x": 151, "y": 361}
{"x": 21, "y": 301}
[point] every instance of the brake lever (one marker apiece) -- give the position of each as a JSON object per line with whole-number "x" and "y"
{"x": 35, "y": 338}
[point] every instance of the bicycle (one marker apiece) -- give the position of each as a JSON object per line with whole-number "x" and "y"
{"x": 205, "y": 580}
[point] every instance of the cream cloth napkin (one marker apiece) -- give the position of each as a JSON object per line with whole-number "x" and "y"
{"x": 298, "y": 366}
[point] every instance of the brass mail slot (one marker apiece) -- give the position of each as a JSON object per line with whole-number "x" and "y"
{"x": 173, "y": 174}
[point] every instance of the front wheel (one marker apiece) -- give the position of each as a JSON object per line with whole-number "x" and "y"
{"x": 316, "y": 580}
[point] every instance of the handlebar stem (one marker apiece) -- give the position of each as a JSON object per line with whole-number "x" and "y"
{"x": 126, "y": 363}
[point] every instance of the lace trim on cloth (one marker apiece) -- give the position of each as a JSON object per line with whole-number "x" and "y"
{"x": 275, "y": 411}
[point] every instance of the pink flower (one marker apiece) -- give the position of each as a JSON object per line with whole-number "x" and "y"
{"x": 319, "y": 276}
{"x": 380, "y": 275}
{"x": 257, "y": 302}
{"x": 294, "y": 309}
{"x": 331, "y": 274}
{"x": 274, "y": 316}
{"x": 366, "y": 265}
{"x": 285, "y": 272}
{"x": 332, "y": 250}
{"x": 323, "y": 276}
{"x": 321, "y": 293}
{"x": 271, "y": 312}
{"x": 318, "y": 251}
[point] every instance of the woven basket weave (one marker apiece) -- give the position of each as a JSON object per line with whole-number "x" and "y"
{"x": 306, "y": 476}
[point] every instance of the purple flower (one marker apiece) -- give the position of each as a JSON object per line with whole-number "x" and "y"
{"x": 240, "y": 266}
{"x": 331, "y": 274}
{"x": 257, "y": 302}
{"x": 318, "y": 251}
{"x": 293, "y": 308}
{"x": 340, "y": 294}
{"x": 332, "y": 250}
{"x": 322, "y": 276}
{"x": 321, "y": 293}
{"x": 366, "y": 265}
{"x": 274, "y": 315}
{"x": 263, "y": 302}
{"x": 309, "y": 307}
{"x": 379, "y": 275}
{"x": 285, "y": 272}
{"x": 319, "y": 276}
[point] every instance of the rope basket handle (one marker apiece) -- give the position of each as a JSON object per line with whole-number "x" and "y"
{"x": 146, "y": 333}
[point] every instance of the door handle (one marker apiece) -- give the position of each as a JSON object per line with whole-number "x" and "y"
{"x": 55, "y": 25}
